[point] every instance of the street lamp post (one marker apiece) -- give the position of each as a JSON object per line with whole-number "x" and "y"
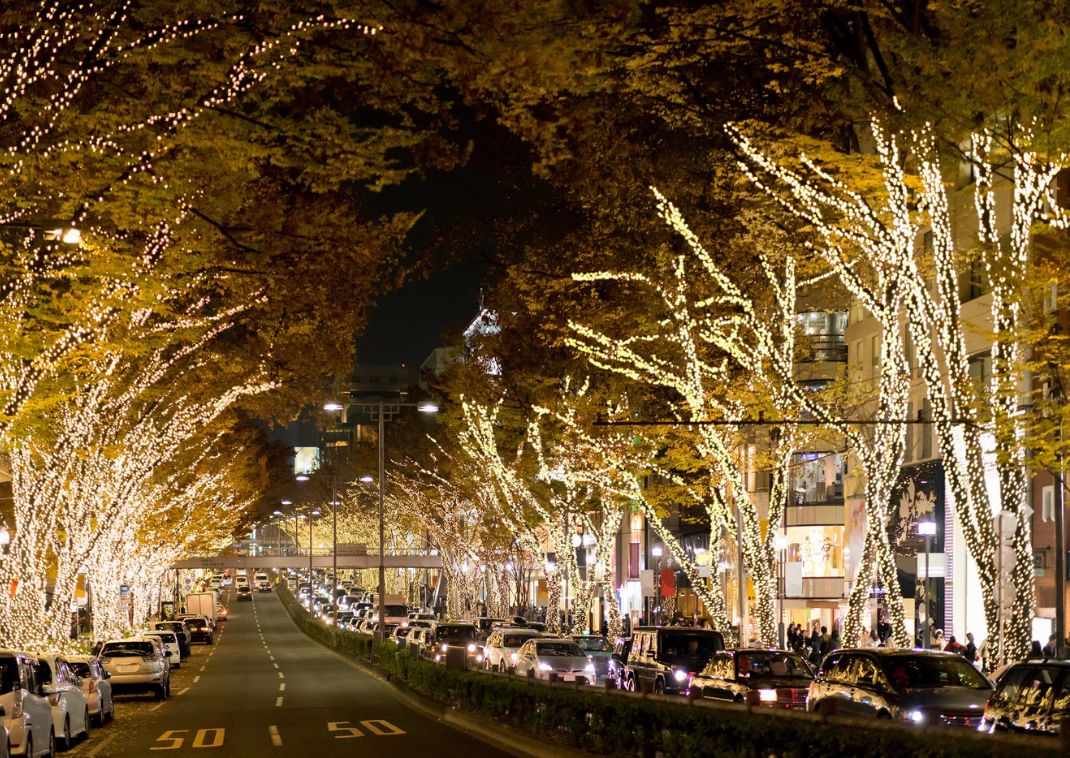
{"x": 927, "y": 529}
{"x": 423, "y": 407}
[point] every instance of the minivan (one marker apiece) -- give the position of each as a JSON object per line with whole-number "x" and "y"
{"x": 664, "y": 658}
{"x": 27, "y": 713}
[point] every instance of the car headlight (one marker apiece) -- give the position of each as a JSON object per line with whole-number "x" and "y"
{"x": 471, "y": 647}
{"x": 767, "y": 696}
{"x": 679, "y": 675}
{"x": 916, "y": 716}
{"x": 444, "y": 647}
{"x": 589, "y": 669}
{"x": 512, "y": 657}
{"x": 438, "y": 657}
{"x": 545, "y": 667}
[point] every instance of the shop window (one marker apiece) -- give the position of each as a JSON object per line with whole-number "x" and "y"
{"x": 817, "y": 478}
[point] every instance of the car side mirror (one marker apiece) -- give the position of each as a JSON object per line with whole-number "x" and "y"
{"x": 168, "y": 653}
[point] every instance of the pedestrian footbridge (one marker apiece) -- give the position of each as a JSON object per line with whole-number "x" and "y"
{"x": 302, "y": 561}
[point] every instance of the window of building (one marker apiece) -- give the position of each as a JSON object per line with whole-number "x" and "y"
{"x": 980, "y": 367}
{"x": 855, "y": 357}
{"x": 875, "y": 353}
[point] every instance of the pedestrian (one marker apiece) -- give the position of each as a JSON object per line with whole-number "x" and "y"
{"x": 815, "y": 647}
{"x": 1035, "y": 651}
{"x": 971, "y": 648}
{"x": 937, "y": 641}
{"x": 1050, "y": 650}
{"x": 954, "y": 646}
{"x": 824, "y": 641}
{"x": 873, "y": 640}
{"x": 834, "y": 639}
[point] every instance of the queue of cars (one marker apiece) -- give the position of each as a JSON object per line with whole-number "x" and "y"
{"x": 920, "y": 687}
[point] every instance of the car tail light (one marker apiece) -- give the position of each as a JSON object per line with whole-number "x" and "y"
{"x": 53, "y": 700}
{"x": 92, "y": 686}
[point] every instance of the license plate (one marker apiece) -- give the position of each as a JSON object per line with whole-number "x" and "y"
{"x": 567, "y": 677}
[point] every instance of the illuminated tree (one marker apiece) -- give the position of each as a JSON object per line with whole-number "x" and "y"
{"x": 974, "y": 422}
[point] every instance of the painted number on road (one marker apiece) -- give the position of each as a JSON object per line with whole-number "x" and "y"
{"x": 378, "y": 727}
{"x": 203, "y": 738}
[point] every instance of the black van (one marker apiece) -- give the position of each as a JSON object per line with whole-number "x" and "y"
{"x": 664, "y": 658}
{"x": 1033, "y": 697}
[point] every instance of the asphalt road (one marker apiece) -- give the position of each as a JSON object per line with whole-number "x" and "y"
{"x": 265, "y": 689}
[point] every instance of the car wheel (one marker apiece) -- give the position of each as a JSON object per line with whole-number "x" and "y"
{"x": 659, "y": 686}
{"x": 629, "y": 685}
{"x": 51, "y": 744}
{"x": 161, "y": 693}
{"x": 98, "y": 720}
{"x": 67, "y": 741}
{"x": 85, "y": 732}
{"x": 502, "y": 667}
{"x": 29, "y": 747}
{"x": 111, "y": 711}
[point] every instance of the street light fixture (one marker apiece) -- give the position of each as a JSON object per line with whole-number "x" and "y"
{"x": 927, "y": 529}
{"x": 302, "y": 477}
{"x": 367, "y": 478}
{"x": 332, "y": 406}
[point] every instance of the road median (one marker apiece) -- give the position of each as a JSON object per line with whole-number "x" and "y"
{"x": 616, "y": 723}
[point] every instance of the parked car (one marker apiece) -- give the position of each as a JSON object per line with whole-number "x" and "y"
{"x": 200, "y": 629}
{"x": 918, "y": 686}
{"x": 502, "y": 646}
{"x": 1032, "y": 697}
{"x": 137, "y": 664}
{"x": 95, "y": 687}
{"x": 170, "y": 642}
{"x": 779, "y": 678}
{"x": 27, "y": 712}
{"x": 554, "y": 659}
{"x": 185, "y": 638}
{"x": 664, "y": 658}
{"x": 70, "y": 710}
{"x": 618, "y": 659}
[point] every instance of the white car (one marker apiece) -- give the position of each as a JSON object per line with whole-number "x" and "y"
{"x": 137, "y": 664}
{"x": 27, "y": 713}
{"x": 170, "y": 644}
{"x": 95, "y": 687}
{"x": 70, "y": 711}
{"x": 555, "y": 659}
{"x": 502, "y": 646}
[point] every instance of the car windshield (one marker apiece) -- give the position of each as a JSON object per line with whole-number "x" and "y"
{"x": 593, "y": 644}
{"x": 168, "y": 637}
{"x": 690, "y": 645}
{"x": 931, "y": 671}
{"x": 777, "y": 665}
{"x": 455, "y": 634}
{"x": 80, "y": 669}
{"x": 194, "y": 622}
{"x": 126, "y": 648}
{"x": 515, "y": 640}
{"x": 554, "y": 649}
{"x": 9, "y": 675}
{"x": 395, "y": 610}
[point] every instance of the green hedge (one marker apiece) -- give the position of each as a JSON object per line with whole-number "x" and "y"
{"x": 611, "y": 723}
